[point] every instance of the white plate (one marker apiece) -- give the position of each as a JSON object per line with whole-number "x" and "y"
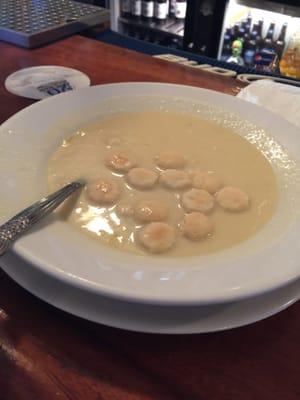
{"x": 148, "y": 318}
{"x": 266, "y": 261}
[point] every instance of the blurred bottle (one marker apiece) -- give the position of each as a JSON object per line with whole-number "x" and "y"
{"x": 249, "y": 23}
{"x": 228, "y": 38}
{"x": 161, "y": 10}
{"x": 260, "y": 27}
{"x": 180, "y": 9}
{"x": 265, "y": 59}
{"x": 259, "y": 42}
{"x": 270, "y": 32}
{"x": 268, "y": 45}
{"x": 255, "y": 30}
{"x": 136, "y": 9}
{"x": 147, "y": 10}
{"x": 172, "y": 8}
{"x": 237, "y": 49}
{"x": 246, "y": 42}
{"x": 168, "y": 7}
{"x": 242, "y": 32}
{"x": 228, "y": 35}
{"x": 280, "y": 43}
{"x": 236, "y": 31}
{"x": 250, "y": 52}
{"x": 290, "y": 62}
{"x": 244, "y": 23}
{"x": 125, "y": 8}
{"x": 227, "y": 43}
{"x": 226, "y": 51}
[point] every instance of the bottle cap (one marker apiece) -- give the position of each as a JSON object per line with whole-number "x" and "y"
{"x": 44, "y": 81}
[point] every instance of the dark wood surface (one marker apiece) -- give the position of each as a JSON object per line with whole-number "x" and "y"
{"x": 46, "y": 354}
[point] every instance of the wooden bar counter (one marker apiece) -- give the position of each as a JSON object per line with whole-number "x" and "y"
{"x": 46, "y": 354}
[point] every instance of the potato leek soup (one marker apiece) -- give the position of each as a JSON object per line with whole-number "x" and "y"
{"x": 160, "y": 182}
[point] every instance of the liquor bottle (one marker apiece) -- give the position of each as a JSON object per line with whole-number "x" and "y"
{"x": 125, "y": 8}
{"x": 246, "y": 26}
{"x": 249, "y": 53}
{"x": 255, "y": 30}
{"x": 260, "y": 27}
{"x": 147, "y": 10}
{"x": 247, "y": 38}
{"x": 227, "y": 43}
{"x": 180, "y": 9}
{"x": 168, "y": 7}
{"x": 268, "y": 46}
{"x": 270, "y": 33}
{"x": 172, "y": 8}
{"x": 236, "y": 30}
{"x": 136, "y": 9}
{"x": 249, "y": 23}
{"x": 280, "y": 43}
{"x": 246, "y": 43}
{"x": 228, "y": 35}
{"x": 160, "y": 10}
{"x": 256, "y": 35}
{"x": 241, "y": 32}
{"x": 226, "y": 51}
{"x": 259, "y": 43}
{"x": 265, "y": 58}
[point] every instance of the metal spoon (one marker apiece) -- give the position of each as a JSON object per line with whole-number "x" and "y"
{"x": 26, "y": 219}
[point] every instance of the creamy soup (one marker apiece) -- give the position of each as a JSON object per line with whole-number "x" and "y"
{"x": 168, "y": 183}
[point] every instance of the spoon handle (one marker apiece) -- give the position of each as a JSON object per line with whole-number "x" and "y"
{"x": 20, "y": 223}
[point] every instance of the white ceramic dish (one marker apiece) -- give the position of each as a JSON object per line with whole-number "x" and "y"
{"x": 144, "y": 317}
{"x": 267, "y": 261}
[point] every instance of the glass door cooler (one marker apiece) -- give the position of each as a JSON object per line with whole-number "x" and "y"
{"x": 261, "y": 38}
{"x": 261, "y": 35}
